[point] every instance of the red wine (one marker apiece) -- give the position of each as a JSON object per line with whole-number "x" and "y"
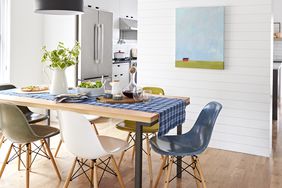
{"x": 128, "y": 94}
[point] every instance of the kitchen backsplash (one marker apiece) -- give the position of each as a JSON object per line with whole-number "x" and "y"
{"x": 124, "y": 47}
{"x": 277, "y": 51}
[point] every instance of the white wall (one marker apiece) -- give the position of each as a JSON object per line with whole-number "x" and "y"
{"x": 59, "y": 29}
{"x": 277, "y": 16}
{"x": 26, "y": 43}
{"x": 243, "y": 87}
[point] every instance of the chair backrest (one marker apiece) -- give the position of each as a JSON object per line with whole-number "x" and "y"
{"x": 201, "y": 132}
{"x": 14, "y": 124}
{"x": 155, "y": 90}
{"x": 24, "y": 109}
{"x": 79, "y": 136}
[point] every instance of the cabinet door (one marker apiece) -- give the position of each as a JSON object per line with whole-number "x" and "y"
{"x": 105, "y": 66}
{"x": 121, "y": 73}
{"x": 124, "y": 80}
{"x": 128, "y": 9}
{"x": 105, "y": 5}
{"x": 121, "y": 68}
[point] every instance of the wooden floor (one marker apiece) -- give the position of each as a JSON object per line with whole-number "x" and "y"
{"x": 222, "y": 169}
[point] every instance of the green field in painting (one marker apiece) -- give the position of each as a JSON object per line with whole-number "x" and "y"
{"x": 200, "y": 64}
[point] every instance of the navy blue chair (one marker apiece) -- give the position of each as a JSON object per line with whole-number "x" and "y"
{"x": 191, "y": 144}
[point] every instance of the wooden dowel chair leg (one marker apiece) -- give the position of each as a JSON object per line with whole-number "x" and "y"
{"x": 200, "y": 173}
{"x": 1, "y": 140}
{"x": 6, "y": 160}
{"x": 91, "y": 171}
{"x": 96, "y": 185}
{"x": 42, "y": 143}
{"x": 70, "y": 174}
{"x": 196, "y": 174}
{"x": 120, "y": 180}
{"x": 149, "y": 158}
{"x": 164, "y": 160}
{"x": 133, "y": 153}
{"x": 52, "y": 159}
{"x": 19, "y": 157}
{"x": 133, "y": 149}
{"x": 30, "y": 155}
{"x": 28, "y": 160}
{"x": 168, "y": 172}
{"x": 123, "y": 152}
{"x": 95, "y": 128}
{"x": 58, "y": 148}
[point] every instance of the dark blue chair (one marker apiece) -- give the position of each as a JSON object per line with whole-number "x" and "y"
{"x": 191, "y": 144}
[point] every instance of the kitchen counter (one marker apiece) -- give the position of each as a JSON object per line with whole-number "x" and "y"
{"x": 118, "y": 62}
{"x": 277, "y": 61}
{"x": 125, "y": 60}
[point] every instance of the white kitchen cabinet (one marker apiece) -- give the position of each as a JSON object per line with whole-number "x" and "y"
{"x": 128, "y": 9}
{"x": 121, "y": 72}
{"x": 105, "y": 5}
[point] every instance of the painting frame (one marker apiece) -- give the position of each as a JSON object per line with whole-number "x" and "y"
{"x": 200, "y": 37}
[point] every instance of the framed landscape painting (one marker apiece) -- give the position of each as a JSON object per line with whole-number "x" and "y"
{"x": 200, "y": 37}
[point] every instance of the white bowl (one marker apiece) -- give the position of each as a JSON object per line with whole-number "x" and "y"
{"x": 93, "y": 92}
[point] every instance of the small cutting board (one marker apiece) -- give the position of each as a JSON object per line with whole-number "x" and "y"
{"x": 112, "y": 101}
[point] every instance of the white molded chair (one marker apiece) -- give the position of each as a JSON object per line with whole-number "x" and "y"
{"x": 91, "y": 119}
{"x": 81, "y": 140}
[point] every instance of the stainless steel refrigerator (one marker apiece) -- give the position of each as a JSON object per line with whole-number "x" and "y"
{"x": 95, "y": 33}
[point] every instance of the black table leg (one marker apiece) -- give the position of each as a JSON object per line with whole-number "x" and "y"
{"x": 138, "y": 156}
{"x": 179, "y": 159}
{"x": 48, "y": 124}
{"x": 49, "y": 119}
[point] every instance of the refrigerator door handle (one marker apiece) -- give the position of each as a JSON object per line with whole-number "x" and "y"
{"x": 98, "y": 43}
{"x": 101, "y": 60}
{"x": 96, "y": 35}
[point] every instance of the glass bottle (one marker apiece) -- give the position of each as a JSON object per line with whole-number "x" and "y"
{"x": 132, "y": 86}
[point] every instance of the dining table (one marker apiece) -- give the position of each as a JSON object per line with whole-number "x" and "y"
{"x": 162, "y": 110}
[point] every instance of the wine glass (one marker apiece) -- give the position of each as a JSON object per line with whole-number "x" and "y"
{"x": 147, "y": 95}
{"x": 138, "y": 94}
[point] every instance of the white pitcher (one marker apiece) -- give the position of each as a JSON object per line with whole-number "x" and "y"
{"x": 59, "y": 82}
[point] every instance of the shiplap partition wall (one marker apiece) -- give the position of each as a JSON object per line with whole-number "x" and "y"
{"x": 243, "y": 87}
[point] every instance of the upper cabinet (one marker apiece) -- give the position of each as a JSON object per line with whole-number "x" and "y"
{"x": 122, "y": 8}
{"x": 105, "y": 5}
{"x": 128, "y": 9}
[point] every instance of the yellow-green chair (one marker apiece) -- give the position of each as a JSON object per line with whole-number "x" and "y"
{"x": 130, "y": 127}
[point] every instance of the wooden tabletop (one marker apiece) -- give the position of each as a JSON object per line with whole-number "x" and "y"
{"x": 132, "y": 115}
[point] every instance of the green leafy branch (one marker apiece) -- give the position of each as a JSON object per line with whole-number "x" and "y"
{"x": 61, "y": 57}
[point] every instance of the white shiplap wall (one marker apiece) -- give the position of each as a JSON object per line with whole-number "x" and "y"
{"x": 243, "y": 87}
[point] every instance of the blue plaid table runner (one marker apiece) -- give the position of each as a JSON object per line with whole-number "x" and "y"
{"x": 171, "y": 111}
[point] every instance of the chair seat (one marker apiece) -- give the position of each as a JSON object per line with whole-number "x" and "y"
{"x": 91, "y": 117}
{"x": 35, "y": 117}
{"x": 113, "y": 145}
{"x": 175, "y": 145}
{"x": 44, "y": 131}
{"x": 130, "y": 126}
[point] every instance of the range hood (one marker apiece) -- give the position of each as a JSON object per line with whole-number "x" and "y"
{"x": 127, "y": 24}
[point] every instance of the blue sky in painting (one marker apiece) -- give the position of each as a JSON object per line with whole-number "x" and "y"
{"x": 200, "y": 33}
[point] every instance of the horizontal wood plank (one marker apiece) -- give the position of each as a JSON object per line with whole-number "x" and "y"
{"x": 132, "y": 115}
